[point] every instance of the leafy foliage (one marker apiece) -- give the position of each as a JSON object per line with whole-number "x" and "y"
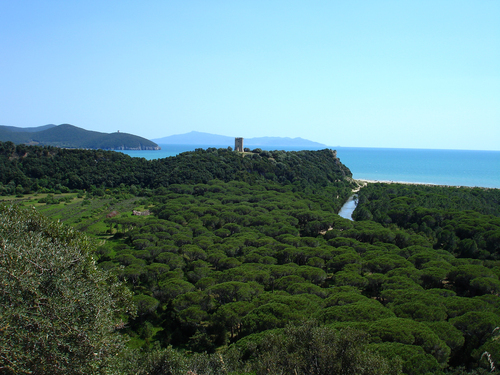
{"x": 464, "y": 221}
{"x": 315, "y": 350}
{"x": 239, "y": 252}
{"x": 58, "y": 312}
{"x": 30, "y": 168}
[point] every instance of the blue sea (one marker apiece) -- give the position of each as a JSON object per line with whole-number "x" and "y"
{"x": 440, "y": 167}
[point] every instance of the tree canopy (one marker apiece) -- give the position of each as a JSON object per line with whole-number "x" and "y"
{"x": 243, "y": 265}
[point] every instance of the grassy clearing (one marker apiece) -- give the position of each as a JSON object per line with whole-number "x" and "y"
{"x": 85, "y": 214}
{"x": 35, "y": 197}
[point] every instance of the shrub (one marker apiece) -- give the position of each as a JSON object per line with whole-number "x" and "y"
{"x": 58, "y": 312}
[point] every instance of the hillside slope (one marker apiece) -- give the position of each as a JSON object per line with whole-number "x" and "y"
{"x": 70, "y": 136}
{"x": 33, "y": 168}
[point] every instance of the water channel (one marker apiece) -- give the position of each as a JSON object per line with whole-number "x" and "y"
{"x": 348, "y": 207}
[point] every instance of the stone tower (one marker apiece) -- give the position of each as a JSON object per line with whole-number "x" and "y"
{"x": 238, "y": 144}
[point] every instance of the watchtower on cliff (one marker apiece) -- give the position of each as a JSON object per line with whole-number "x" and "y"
{"x": 238, "y": 144}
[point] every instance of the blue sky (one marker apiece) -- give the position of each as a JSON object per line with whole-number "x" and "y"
{"x": 410, "y": 74}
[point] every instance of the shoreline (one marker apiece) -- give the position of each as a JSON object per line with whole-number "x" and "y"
{"x": 363, "y": 182}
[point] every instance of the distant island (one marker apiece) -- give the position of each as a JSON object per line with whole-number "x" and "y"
{"x": 69, "y": 136}
{"x": 207, "y": 139}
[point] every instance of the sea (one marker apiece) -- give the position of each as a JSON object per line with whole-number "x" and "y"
{"x": 427, "y": 166}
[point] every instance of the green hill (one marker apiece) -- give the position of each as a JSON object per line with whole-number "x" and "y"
{"x": 34, "y": 168}
{"x": 30, "y": 129}
{"x": 69, "y": 136}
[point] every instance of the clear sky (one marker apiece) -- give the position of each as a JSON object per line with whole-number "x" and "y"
{"x": 411, "y": 74}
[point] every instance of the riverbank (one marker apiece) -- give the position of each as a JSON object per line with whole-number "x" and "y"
{"x": 348, "y": 207}
{"x": 351, "y": 203}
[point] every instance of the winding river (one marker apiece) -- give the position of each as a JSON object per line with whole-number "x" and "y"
{"x": 348, "y": 207}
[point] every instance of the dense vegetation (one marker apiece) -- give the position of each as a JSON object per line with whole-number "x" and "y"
{"x": 226, "y": 262}
{"x": 243, "y": 265}
{"x": 73, "y": 137}
{"x": 465, "y": 221}
{"x": 58, "y": 311}
{"x": 28, "y": 169}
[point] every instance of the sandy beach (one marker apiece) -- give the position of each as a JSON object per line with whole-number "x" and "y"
{"x": 363, "y": 182}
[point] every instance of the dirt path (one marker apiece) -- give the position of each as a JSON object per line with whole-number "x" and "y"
{"x": 361, "y": 184}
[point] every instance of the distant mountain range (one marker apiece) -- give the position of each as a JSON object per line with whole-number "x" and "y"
{"x": 69, "y": 136}
{"x": 207, "y": 139}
